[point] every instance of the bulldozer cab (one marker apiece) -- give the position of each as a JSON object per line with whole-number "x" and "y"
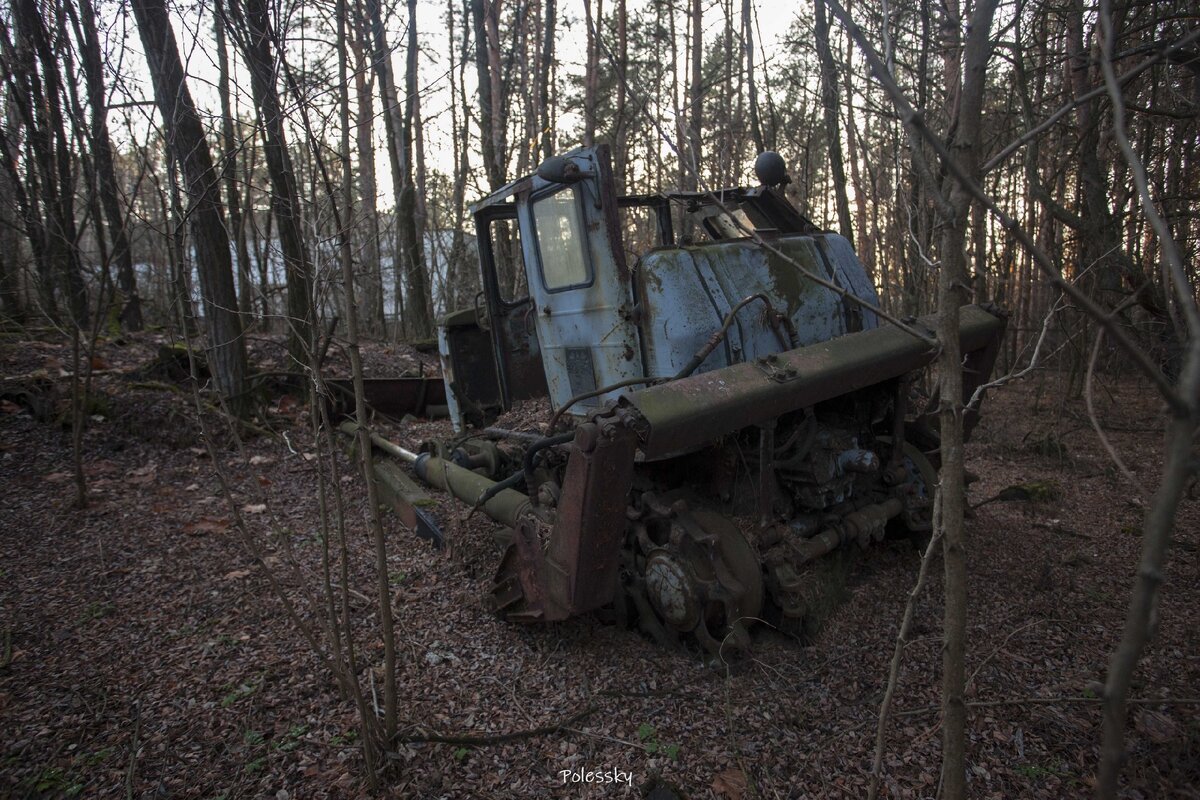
{"x": 555, "y": 315}
{"x": 584, "y": 290}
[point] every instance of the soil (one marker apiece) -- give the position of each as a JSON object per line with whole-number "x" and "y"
{"x": 146, "y": 653}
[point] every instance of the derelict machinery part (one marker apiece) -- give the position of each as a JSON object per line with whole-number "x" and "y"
{"x": 732, "y": 422}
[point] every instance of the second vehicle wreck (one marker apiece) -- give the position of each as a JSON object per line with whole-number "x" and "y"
{"x": 725, "y": 412}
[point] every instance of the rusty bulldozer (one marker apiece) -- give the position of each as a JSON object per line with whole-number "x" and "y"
{"x": 725, "y": 410}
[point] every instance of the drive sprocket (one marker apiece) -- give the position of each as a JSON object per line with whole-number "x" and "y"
{"x": 691, "y": 574}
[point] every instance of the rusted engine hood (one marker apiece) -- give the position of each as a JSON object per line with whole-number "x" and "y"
{"x": 688, "y": 413}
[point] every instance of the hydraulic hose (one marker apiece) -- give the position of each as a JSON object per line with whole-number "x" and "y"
{"x": 594, "y": 393}
{"x": 531, "y": 454}
{"x": 787, "y": 339}
{"x": 511, "y": 482}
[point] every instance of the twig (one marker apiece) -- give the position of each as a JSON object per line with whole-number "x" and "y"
{"x": 604, "y": 738}
{"x": 1063, "y": 110}
{"x": 754, "y": 235}
{"x": 133, "y": 751}
{"x": 1087, "y": 397}
{"x": 1139, "y": 358}
{"x": 477, "y": 740}
{"x": 1168, "y": 249}
{"x": 7, "y": 658}
{"x": 1016, "y": 374}
{"x": 1000, "y": 647}
{"x": 1046, "y": 526}
{"x": 894, "y": 671}
{"x": 1051, "y": 701}
{"x": 357, "y": 595}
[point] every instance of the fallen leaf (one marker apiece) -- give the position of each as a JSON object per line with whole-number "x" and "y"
{"x": 206, "y": 525}
{"x": 1157, "y": 726}
{"x": 57, "y": 477}
{"x": 9, "y": 407}
{"x": 235, "y": 574}
{"x": 258, "y": 461}
{"x": 731, "y": 783}
{"x": 255, "y": 508}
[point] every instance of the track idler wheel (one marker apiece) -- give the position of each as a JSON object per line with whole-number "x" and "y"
{"x": 692, "y": 574}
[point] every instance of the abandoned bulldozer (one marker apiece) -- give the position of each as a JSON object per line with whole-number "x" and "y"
{"x": 726, "y": 407}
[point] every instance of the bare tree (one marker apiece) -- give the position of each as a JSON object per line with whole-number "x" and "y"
{"x": 186, "y": 141}
{"x": 756, "y": 130}
{"x": 408, "y": 217}
{"x": 368, "y": 217}
{"x": 829, "y": 101}
{"x": 255, "y": 36}
{"x": 12, "y": 303}
{"x": 38, "y": 92}
{"x": 695, "y": 115}
{"x": 965, "y": 65}
{"x": 102, "y": 154}
{"x": 229, "y": 162}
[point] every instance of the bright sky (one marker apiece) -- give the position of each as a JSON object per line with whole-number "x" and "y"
{"x": 193, "y": 31}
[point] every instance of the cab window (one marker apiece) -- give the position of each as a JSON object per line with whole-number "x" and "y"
{"x": 561, "y": 243}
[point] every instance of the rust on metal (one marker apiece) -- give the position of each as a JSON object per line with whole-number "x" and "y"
{"x": 421, "y": 397}
{"x": 688, "y": 413}
{"x": 584, "y": 551}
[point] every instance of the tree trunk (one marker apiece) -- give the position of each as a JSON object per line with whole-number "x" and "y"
{"x": 491, "y": 117}
{"x": 591, "y": 75}
{"x": 11, "y": 301}
{"x": 375, "y": 321}
{"x": 696, "y": 97}
{"x": 185, "y": 135}
{"x": 255, "y": 37}
{"x": 545, "y": 80}
{"x": 13, "y": 198}
{"x": 829, "y": 100}
{"x": 41, "y": 108}
{"x": 620, "y": 147}
{"x": 364, "y": 437}
{"x": 756, "y": 130}
{"x": 460, "y": 281}
{"x": 102, "y": 155}
{"x": 965, "y": 98}
{"x": 237, "y": 224}
{"x": 411, "y": 228}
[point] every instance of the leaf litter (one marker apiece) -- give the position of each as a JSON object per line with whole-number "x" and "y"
{"x": 144, "y": 640}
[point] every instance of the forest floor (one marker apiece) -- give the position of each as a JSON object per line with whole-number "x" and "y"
{"x": 145, "y": 653}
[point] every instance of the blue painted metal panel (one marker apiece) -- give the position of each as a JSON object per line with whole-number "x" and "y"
{"x": 678, "y": 313}
{"x": 452, "y": 403}
{"x": 587, "y": 332}
{"x": 685, "y": 294}
{"x": 852, "y": 275}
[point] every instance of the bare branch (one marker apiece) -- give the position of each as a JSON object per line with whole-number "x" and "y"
{"x": 1139, "y": 357}
{"x": 1170, "y": 251}
{"x": 885, "y": 706}
{"x": 1165, "y": 54}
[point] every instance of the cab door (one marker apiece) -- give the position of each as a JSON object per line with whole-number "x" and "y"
{"x": 579, "y": 281}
